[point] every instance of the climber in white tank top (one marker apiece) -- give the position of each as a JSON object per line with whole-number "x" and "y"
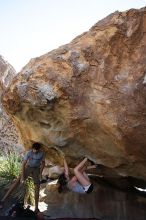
{"x": 79, "y": 183}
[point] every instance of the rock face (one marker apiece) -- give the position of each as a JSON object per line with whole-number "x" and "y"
{"x": 88, "y": 97}
{"x": 9, "y": 139}
{"x": 7, "y": 73}
{"x": 105, "y": 203}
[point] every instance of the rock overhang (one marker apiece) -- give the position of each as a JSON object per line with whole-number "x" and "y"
{"x": 88, "y": 97}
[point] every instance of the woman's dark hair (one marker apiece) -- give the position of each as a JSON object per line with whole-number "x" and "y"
{"x": 36, "y": 146}
{"x": 62, "y": 182}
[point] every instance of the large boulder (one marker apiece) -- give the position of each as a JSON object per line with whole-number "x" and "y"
{"x": 88, "y": 97}
{"x": 9, "y": 135}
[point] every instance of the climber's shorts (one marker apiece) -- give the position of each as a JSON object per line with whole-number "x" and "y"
{"x": 33, "y": 172}
{"x": 89, "y": 188}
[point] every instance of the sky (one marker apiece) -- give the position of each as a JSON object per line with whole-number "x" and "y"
{"x": 31, "y": 28}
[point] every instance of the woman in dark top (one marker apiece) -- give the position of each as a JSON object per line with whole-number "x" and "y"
{"x": 80, "y": 182}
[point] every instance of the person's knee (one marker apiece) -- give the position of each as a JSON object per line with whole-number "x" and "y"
{"x": 76, "y": 170}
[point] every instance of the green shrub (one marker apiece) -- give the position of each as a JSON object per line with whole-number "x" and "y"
{"x": 10, "y": 166}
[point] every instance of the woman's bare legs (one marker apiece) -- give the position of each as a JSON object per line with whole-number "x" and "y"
{"x": 81, "y": 164}
{"x": 80, "y": 173}
{"x": 86, "y": 176}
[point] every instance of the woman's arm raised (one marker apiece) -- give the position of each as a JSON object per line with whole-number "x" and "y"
{"x": 66, "y": 169}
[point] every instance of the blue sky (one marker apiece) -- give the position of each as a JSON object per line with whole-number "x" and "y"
{"x": 30, "y": 28}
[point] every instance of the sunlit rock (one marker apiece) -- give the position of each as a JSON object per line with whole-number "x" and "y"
{"x": 87, "y": 98}
{"x": 9, "y": 135}
{"x": 104, "y": 203}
